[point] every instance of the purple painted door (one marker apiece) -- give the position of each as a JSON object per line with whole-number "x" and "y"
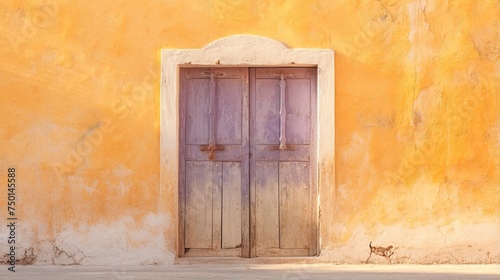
{"x": 246, "y": 162}
{"x": 282, "y": 169}
{"x": 214, "y": 208}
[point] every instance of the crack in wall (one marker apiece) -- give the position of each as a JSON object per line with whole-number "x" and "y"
{"x": 447, "y": 247}
{"x": 28, "y": 258}
{"x": 60, "y": 253}
{"x": 65, "y": 253}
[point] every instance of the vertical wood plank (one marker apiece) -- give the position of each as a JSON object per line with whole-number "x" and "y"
{"x": 295, "y": 212}
{"x": 252, "y": 140}
{"x": 298, "y": 106}
{"x": 229, "y": 111}
{"x": 314, "y": 198}
{"x": 266, "y": 206}
{"x": 197, "y": 111}
{"x": 182, "y": 164}
{"x": 216, "y": 204}
{"x": 199, "y": 219}
{"x": 211, "y": 112}
{"x": 245, "y": 166}
{"x": 267, "y": 109}
{"x": 231, "y": 205}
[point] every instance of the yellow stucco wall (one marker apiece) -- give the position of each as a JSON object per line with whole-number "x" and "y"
{"x": 417, "y": 123}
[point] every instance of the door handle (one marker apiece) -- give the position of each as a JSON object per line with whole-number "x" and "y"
{"x": 282, "y": 148}
{"x": 211, "y": 148}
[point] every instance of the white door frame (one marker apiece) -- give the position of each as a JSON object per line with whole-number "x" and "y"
{"x": 245, "y": 51}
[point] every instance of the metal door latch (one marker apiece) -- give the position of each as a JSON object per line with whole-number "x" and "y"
{"x": 282, "y": 148}
{"x": 211, "y": 149}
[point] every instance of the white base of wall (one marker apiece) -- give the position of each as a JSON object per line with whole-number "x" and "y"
{"x": 126, "y": 242}
{"x": 123, "y": 242}
{"x": 455, "y": 244}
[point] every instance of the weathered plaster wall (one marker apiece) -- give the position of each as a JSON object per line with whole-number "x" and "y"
{"x": 417, "y": 123}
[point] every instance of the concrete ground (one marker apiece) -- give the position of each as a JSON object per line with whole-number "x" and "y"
{"x": 254, "y": 271}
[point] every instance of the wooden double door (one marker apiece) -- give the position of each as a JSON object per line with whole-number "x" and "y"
{"x": 247, "y": 180}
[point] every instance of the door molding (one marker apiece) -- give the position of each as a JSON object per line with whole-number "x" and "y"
{"x": 245, "y": 51}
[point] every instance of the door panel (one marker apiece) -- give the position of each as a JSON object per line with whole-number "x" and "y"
{"x": 294, "y": 205}
{"x": 197, "y": 106}
{"x": 231, "y": 205}
{"x": 203, "y": 178}
{"x": 298, "y": 111}
{"x": 282, "y": 177}
{"x": 213, "y": 162}
{"x": 267, "y": 110}
{"x": 266, "y": 206}
{"x": 229, "y": 111}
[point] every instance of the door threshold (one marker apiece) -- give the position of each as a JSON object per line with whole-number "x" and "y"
{"x": 238, "y": 260}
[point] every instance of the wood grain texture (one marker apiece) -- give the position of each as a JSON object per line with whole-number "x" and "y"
{"x": 294, "y": 205}
{"x": 231, "y": 205}
{"x": 199, "y": 190}
{"x": 245, "y": 167}
{"x": 267, "y": 108}
{"x": 217, "y": 185}
{"x": 298, "y": 117}
{"x": 229, "y": 111}
{"x": 266, "y": 206}
{"x": 197, "y": 109}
